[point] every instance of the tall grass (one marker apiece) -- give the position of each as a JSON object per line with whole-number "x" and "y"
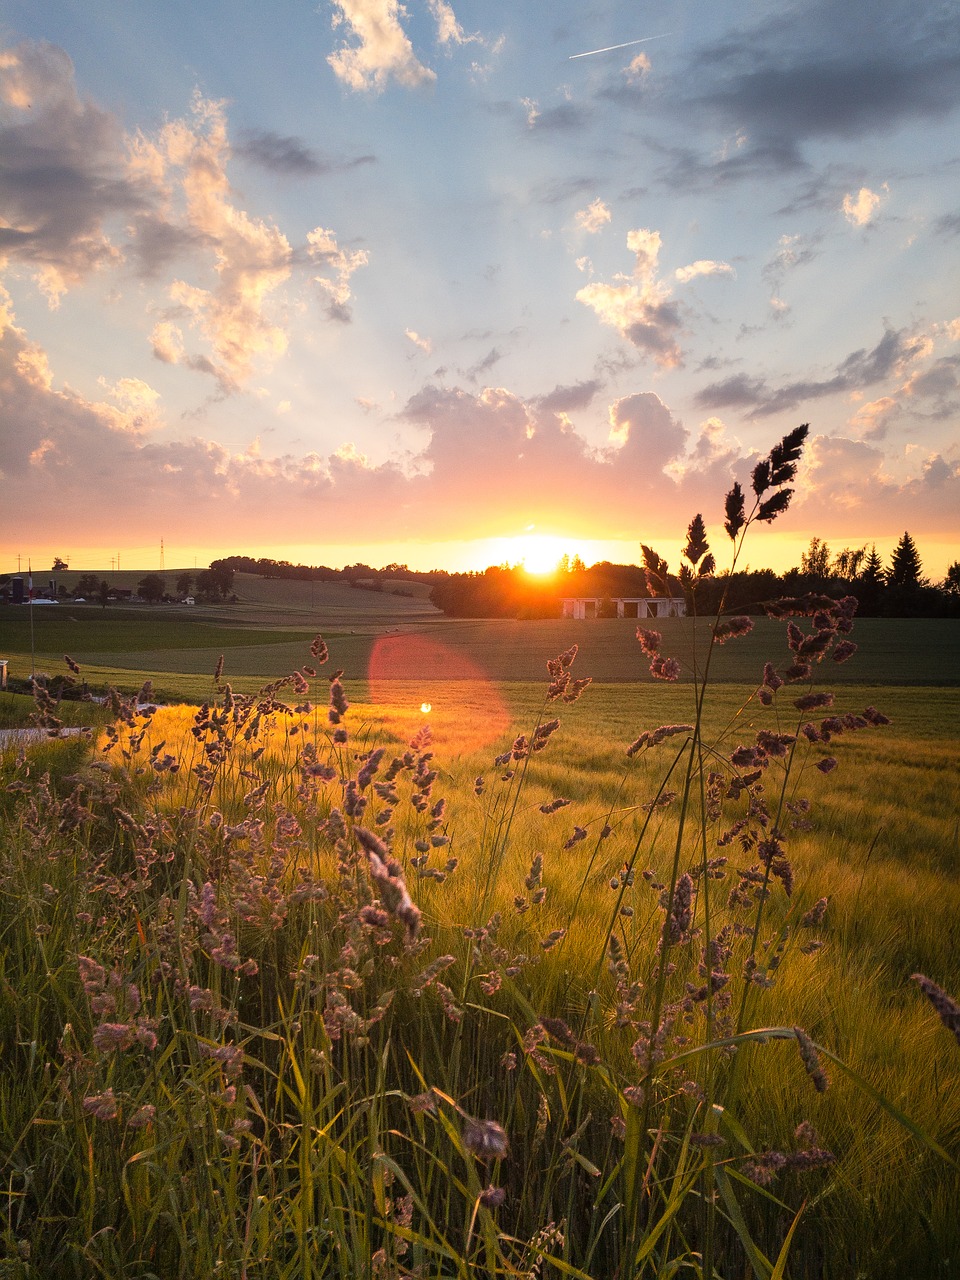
{"x": 284, "y": 994}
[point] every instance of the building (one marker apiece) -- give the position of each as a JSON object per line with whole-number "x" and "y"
{"x": 626, "y": 606}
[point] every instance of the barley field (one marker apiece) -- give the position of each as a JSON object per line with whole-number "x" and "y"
{"x": 482, "y": 977}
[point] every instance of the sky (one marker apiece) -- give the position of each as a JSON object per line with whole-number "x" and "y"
{"x": 459, "y": 283}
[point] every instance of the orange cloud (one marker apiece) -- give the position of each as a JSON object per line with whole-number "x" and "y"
{"x": 384, "y": 51}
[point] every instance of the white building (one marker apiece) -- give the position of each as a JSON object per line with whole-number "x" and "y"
{"x": 627, "y": 606}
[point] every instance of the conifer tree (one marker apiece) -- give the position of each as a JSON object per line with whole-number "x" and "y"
{"x": 905, "y": 564}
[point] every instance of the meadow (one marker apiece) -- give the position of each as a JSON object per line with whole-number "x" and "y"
{"x": 272, "y": 1005}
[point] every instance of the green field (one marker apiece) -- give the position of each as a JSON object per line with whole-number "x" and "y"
{"x": 269, "y": 636}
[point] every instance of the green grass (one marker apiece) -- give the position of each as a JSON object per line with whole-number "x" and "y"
{"x": 172, "y": 650}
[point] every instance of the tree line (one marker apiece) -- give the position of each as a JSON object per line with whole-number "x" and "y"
{"x": 896, "y": 589}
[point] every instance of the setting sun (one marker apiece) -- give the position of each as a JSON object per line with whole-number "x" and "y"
{"x": 539, "y": 553}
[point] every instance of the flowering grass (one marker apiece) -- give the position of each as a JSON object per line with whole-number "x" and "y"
{"x": 596, "y": 985}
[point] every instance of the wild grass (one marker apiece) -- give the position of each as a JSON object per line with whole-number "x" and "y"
{"x": 290, "y": 988}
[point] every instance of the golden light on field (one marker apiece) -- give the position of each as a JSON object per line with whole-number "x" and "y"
{"x": 466, "y": 709}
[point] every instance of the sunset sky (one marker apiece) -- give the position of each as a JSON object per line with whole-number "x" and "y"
{"x": 331, "y": 280}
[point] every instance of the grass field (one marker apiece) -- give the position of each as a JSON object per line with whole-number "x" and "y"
{"x": 371, "y": 633}
{"x": 166, "y": 1110}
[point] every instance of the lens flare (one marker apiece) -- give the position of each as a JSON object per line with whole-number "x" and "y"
{"x": 466, "y": 709}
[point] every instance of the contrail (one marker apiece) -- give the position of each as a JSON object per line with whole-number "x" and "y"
{"x": 626, "y": 45}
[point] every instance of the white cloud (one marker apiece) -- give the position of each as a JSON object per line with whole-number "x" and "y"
{"x": 703, "y": 267}
{"x": 594, "y": 217}
{"x": 384, "y": 51}
{"x": 859, "y": 209}
{"x": 449, "y": 30}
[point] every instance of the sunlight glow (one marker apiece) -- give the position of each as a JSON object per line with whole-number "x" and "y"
{"x": 539, "y": 553}
{"x": 426, "y": 707}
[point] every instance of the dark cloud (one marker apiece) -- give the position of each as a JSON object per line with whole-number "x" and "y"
{"x": 845, "y": 96}
{"x": 736, "y": 392}
{"x": 476, "y": 371}
{"x": 556, "y": 191}
{"x": 61, "y": 168}
{"x": 684, "y": 169}
{"x": 860, "y": 369}
{"x": 948, "y": 225}
{"x": 567, "y": 399}
{"x": 566, "y": 117}
{"x": 655, "y": 332}
{"x": 157, "y": 242}
{"x": 818, "y": 70}
{"x": 283, "y": 154}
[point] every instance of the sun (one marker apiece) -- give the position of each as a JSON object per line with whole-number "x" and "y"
{"x": 539, "y": 553}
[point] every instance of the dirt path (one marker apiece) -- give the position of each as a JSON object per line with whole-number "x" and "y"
{"x": 30, "y": 736}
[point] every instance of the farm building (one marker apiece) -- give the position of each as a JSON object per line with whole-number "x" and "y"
{"x": 626, "y": 606}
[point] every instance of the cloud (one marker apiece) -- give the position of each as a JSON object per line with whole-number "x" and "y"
{"x": 253, "y": 257}
{"x": 449, "y": 30}
{"x": 639, "y": 306}
{"x": 862, "y": 368}
{"x": 820, "y": 71}
{"x": 859, "y": 209}
{"x": 637, "y": 69}
{"x": 341, "y": 264}
{"x": 424, "y": 344}
{"x": 384, "y": 51}
{"x": 593, "y": 218}
{"x": 491, "y": 459}
{"x": 795, "y": 76}
{"x": 703, "y": 267}
{"x": 558, "y": 190}
{"x": 567, "y": 399}
{"x": 62, "y": 172}
{"x": 565, "y": 117}
{"x": 793, "y": 252}
{"x": 643, "y": 431}
{"x": 483, "y": 366}
{"x": 283, "y": 154}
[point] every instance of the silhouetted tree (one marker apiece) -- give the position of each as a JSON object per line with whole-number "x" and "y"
{"x": 905, "y": 565}
{"x": 184, "y": 584}
{"x": 951, "y": 583}
{"x": 151, "y": 588}
{"x": 816, "y": 559}
{"x": 870, "y": 583}
{"x": 846, "y": 563}
{"x": 59, "y": 564}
